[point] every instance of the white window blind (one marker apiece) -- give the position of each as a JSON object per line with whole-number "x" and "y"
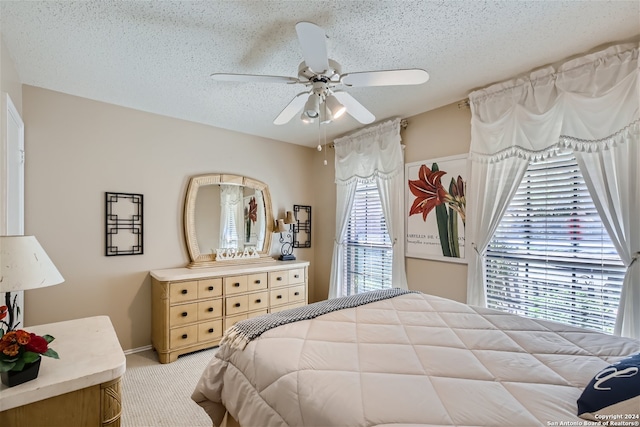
{"x": 551, "y": 257}
{"x": 368, "y": 253}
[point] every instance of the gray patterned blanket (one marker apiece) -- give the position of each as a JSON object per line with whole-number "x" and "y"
{"x": 240, "y": 334}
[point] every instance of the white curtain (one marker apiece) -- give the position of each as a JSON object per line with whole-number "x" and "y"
{"x": 614, "y": 184}
{"x": 589, "y": 104}
{"x": 230, "y": 200}
{"x": 372, "y": 153}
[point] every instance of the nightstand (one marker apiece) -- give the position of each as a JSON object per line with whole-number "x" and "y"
{"x": 82, "y": 388}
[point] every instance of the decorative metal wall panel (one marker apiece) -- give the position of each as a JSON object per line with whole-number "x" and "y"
{"x": 302, "y": 226}
{"x": 124, "y": 232}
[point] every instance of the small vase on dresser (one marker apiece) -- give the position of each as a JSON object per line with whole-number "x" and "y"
{"x": 191, "y": 308}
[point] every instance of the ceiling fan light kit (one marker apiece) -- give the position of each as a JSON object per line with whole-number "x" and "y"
{"x": 325, "y": 98}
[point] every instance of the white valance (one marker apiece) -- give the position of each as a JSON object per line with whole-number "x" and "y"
{"x": 371, "y": 152}
{"x": 527, "y": 115}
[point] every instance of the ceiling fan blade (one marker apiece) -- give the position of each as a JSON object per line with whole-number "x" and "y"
{"x": 313, "y": 41}
{"x": 292, "y": 108}
{"x": 357, "y": 110}
{"x": 386, "y": 78}
{"x": 252, "y": 78}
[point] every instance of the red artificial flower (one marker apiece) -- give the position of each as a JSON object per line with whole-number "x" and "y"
{"x": 37, "y": 344}
{"x": 428, "y": 190}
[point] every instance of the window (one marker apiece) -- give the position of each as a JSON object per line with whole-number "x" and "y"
{"x": 368, "y": 255}
{"x": 229, "y": 230}
{"x": 551, "y": 257}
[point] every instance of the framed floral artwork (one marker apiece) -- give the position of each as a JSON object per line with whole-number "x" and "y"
{"x": 250, "y": 220}
{"x": 435, "y": 208}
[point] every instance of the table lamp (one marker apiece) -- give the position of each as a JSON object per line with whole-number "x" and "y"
{"x": 286, "y": 249}
{"x": 23, "y": 265}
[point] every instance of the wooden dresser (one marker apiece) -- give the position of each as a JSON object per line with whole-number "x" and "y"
{"x": 191, "y": 308}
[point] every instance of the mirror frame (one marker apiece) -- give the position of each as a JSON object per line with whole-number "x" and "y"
{"x": 199, "y": 259}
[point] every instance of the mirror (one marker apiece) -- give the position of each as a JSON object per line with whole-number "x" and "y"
{"x": 227, "y": 219}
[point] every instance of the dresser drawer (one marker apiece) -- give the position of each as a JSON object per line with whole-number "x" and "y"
{"x": 183, "y": 291}
{"x": 235, "y": 285}
{"x": 259, "y": 300}
{"x": 287, "y": 307}
{"x": 278, "y": 278}
{"x": 211, "y": 330}
{"x": 183, "y": 314}
{"x": 186, "y": 335}
{"x": 209, "y": 288}
{"x": 297, "y": 293}
{"x": 236, "y": 305}
{"x": 279, "y": 296}
{"x": 257, "y": 282}
{"x": 210, "y": 309}
{"x": 296, "y": 276}
{"x": 230, "y": 321}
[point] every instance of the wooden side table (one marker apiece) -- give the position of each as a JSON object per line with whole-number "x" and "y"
{"x": 82, "y": 388}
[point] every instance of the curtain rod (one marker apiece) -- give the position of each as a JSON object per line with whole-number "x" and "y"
{"x": 404, "y": 123}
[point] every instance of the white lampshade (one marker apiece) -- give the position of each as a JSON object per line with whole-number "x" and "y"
{"x": 25, "y": 265}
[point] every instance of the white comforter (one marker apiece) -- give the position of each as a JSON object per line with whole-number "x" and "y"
{"x": 411, "y": 360}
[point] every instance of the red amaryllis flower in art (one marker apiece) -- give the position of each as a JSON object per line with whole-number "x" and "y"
{"x": 3, "y": 311}
{"x": 428, "y": 190}
{"x": 253, "y": 210}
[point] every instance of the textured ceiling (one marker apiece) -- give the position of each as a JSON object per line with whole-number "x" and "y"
{"x": 157, "y": 56}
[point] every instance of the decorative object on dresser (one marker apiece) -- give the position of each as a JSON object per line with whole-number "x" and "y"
{"x": 286, "y": 249}
{"x": 83, "y": 388}
{"x": 123, "y": 224}
{"x": 192, "y": 307}
{"x": 302, "y": 226}
{"x": 20, "y": 355}
{"x": 25, "y": 265}
{"x": 219, "y": 227}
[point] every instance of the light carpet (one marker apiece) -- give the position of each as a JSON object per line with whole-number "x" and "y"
{"x": 159, "y": 395}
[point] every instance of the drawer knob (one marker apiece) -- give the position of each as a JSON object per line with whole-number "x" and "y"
{"x": 279, "y": 278}
{"x": 258, "y": 301}
{"x": 184, "y": 314}
{"x": 237, "y": 284}
{"x": 237, "y": 304}
{"x": 279, "y": 296}
{"x": 184, "y": 336}
{"x": 210, "y": 309}
{"x": 210, "y": 288}
{"x": 210, "y": 330}
{"x": 296, "y": 275}
{"x": 296, "y": 293}
{"x": 184, "y": 292}
{"x": 257, "y": 282}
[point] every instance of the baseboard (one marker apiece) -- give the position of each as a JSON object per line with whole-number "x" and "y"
{"x": 138, "y": 350}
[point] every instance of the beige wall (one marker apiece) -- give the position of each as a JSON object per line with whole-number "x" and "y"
{"x": 9, "y": 79}
{"x": 442, "y": 132}
{"x": 78, "y": 149}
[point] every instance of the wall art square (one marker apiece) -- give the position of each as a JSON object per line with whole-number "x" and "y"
{"x": 123, "y": 224}
{"x": 435, "y": 208}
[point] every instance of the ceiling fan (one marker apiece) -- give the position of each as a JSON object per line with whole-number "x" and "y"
{"x": 324, "y": 98}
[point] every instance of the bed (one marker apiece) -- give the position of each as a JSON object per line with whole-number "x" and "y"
{"x": 406, "y": 359}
